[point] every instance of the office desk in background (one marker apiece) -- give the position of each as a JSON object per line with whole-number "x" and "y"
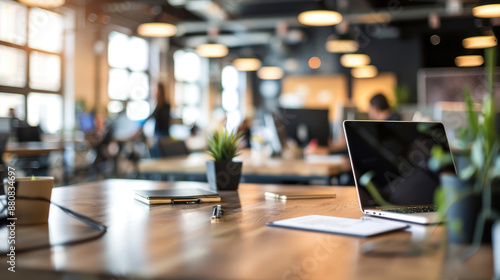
{"x": 181, "y": 241}
{"x": 36, "y": 149}
{"x": 263, "y": 170}
{"x": 33, "y": 148}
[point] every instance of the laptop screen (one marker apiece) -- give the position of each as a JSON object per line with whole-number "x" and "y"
{"x": 395, "y": 155}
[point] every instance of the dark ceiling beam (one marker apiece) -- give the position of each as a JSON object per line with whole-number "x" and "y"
{"x": 376, "y": 17}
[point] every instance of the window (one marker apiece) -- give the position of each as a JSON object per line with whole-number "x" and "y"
{"x": 16, "y": 101}
{"x": 13, "y": 70}
{"x": 46, "y": 110}
{"x": 34, "y": 37}
{"x": 231, "y": 96}
{"x": 128, "y": 78}
{"x": 188, "y": 95}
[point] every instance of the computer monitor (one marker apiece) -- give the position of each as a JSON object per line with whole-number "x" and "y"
{"x": 86, "y": 122}
{"x": 304, "y": 125}
{"x": 5, "y": 125}
{"x": 28, "y": 134}
{"x": 454, "y": 117}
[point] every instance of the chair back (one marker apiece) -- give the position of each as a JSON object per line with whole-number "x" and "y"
{"x": 28, "y": 134}
{"x": 4, "y": 138}
{"x": 171, "y": 148}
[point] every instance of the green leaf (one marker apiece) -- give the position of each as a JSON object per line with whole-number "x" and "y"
{"x": 223, "y": 145}
{"x": 477, "y": 153}
{"x": 456, "y": 225}
{"x": 467, "y": 173}
{"x": 440, "y": 201}
{"x": 439, "y": 159}
{"x": 471, "y": 113}
{"x": 366, "y": 178}
{"x": 366, "y": 181}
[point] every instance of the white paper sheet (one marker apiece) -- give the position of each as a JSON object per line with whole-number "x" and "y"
{"x": 346, "y": 226}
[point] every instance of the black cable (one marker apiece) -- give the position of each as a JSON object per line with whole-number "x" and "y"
{"x": 84, "y": 219}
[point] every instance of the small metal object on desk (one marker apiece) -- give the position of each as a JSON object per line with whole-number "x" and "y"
{"x": 217, "y": 212}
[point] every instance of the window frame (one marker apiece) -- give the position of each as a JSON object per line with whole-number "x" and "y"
{"x": 26, "y": 90}
{"x": 129, "y": 70}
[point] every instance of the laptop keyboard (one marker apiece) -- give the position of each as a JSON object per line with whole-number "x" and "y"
{"x": 410, "y": 210}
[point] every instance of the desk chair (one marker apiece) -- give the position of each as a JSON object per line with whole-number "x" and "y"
{"x": 171, "y": 148}
{"x": 4, "y": 137}
{"x": 37, "y": 165}
{"x": 29, "y": 134}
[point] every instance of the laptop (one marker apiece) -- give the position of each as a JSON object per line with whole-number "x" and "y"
{"x": 390, "y": 165}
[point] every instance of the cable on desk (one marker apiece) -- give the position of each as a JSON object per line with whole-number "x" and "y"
{"x": 82, "y": 218}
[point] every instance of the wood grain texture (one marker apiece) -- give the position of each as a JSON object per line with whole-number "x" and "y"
{"x": 181, "y": 241}
{"x": 195, "y": 164}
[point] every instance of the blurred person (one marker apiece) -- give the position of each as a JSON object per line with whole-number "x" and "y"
{"x": 12, "y": 113}
{"x": 14, "y": 121}
{"x": 196, "y": 140}
{"x": 161, "y": 115}
{"x": 379, "y": 110}
{"x": 244, "y": 129}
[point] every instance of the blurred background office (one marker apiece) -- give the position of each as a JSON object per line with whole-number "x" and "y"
{"x": 84, "y": 74}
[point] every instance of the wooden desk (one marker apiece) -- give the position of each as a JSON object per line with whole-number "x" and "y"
{"x": 33, "y": 148}
{"x": 180, "y": 241}
{"x": 268, "y": 170}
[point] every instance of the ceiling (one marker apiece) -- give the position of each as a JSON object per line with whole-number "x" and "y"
{"x": 254, "y": 22}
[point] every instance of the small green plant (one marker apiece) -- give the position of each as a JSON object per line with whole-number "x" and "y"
{"x": 480, "y": 145}
{"x": 402, "y": 94}
{"x": 223, "y": 146}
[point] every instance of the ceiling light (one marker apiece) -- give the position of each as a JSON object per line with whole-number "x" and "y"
{"x": 247, "y": 64}
{"x": 479, "y": 42}
{"x": 157, "y": 29}
{"x": 342, "y": 46}
{"x": 314, "y": 62}
{"x": 354, "y": 60}
{"x": 469, "y": 60}
{"x": 212, "y": 50}
{"x": 368, "y": 71}
{"x": 487, "y": 11}
{"x": 320, "y": 18}
{"x": 270, "y": 73}
{"x": 435, "y": 39}
{"x": 43, "y": 3}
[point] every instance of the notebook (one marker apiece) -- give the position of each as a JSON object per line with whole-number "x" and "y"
{"x": 393, "y": 157}
{"x": 176, "y": 196}
{"x": 345, "y": 226}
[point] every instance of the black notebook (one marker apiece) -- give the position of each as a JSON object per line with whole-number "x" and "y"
{"x": 175, "y": 196}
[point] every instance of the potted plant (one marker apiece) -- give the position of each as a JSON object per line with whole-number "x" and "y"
{"x": 469, "y": 201}
{"x": 222, "y": 172}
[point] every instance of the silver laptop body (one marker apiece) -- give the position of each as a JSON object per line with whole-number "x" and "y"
{"x": 395, "y": 156}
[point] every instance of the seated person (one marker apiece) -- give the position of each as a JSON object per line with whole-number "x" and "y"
{"x": 379, "y": 110}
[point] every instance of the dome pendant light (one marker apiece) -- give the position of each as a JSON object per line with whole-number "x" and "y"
{"x": 212, "y": 50}
{"x": 479, "y": 42}
{"x": 270, "y": 73}
{"x": 487, "y": 9}
{"x": 354, "y": 60}
{"x": 469, "y": 60}
{"x": 320, "y": 18}
{"x": 157, "y": 29}
{"x": 247, "y": 64}
{"x": 43, "y": 3}
{"x": 368, "y": 71}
